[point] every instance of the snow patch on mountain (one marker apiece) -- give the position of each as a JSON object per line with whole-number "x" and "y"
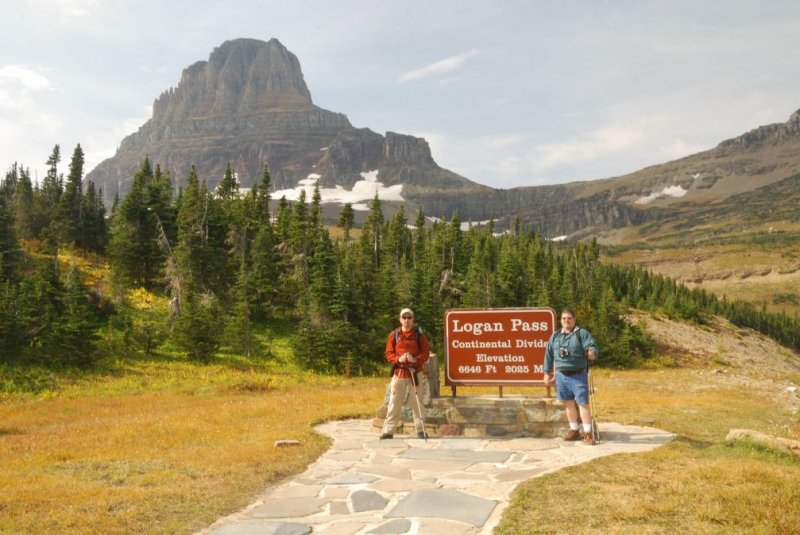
{"x": 669, "y": 191}
{"x": 362, "y": 193}
{"x": 464, "y": 225}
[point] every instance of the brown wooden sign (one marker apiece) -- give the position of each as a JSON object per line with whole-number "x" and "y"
{"x": 497, "y": 346}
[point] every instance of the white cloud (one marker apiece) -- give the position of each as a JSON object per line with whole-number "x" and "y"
{"x": 611, "y": 138}
{"x": 25, "y": 78}
{"x": 70, "y": 10}
{"x": 24, "y": 120}
{"x": 439, "y": 67}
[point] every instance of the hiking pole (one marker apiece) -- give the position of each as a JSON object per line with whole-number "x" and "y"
{"x": 419, "y": 406}
{"x": 592, "y": 408}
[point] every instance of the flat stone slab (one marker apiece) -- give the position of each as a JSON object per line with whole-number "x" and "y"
{"x": 368, "y": 500}
{"x": 444, "y": 503}
{"x": 351, "y": 479}
{"x": 289, "y": 507}
{"x": 396, "y": 526}
{"x": 456, "y": 455}
{"x": 263, "y": 527}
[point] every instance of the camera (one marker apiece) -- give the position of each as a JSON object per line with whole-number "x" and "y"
{"x": 563, "y": 352}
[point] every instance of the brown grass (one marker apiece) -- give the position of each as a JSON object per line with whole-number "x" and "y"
{"x": 696, "y": 484}
{"x": 169, "y": 447}
{"x": 171, "y": 460}
{"x": 734, "y": 271}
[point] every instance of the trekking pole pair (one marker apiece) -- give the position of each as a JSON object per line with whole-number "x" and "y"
{"x": 592, "y": 408}
{"x": 414, "y": 383}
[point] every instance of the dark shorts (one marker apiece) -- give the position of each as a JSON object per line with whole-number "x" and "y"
{"x": 573, "y": 387}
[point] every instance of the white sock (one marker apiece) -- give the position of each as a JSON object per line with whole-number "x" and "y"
{"x": 574, "y": 426}
{"x": 587, "y": 428}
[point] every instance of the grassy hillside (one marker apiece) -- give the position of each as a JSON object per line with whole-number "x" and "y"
{"x": 747, "y": 247}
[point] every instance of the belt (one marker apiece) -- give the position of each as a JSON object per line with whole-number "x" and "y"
{"x": 571, "y": 373}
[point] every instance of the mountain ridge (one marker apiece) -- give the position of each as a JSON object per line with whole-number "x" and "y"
{"x": 249, "y": 105}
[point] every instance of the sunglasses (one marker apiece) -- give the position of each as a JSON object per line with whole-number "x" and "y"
{"x": 408, "y": 317}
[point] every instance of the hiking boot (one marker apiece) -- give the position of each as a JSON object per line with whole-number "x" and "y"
{"x": 421, "y": 434}
{"x": 571, "y": 435}
{"x": 588, "y": 439}
{"x": 386, "y": 435}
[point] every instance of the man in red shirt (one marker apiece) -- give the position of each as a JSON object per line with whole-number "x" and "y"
{"x": 407, "y": 349}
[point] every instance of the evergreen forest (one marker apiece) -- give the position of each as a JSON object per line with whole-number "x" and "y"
{"x": 229, "y": 263}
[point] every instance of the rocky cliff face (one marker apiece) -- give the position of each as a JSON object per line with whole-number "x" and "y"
{"x": 758, "y": 137}
{"x": 249, "y": 105}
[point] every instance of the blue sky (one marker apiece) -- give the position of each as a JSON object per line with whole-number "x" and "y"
{"x": 508, "y": 93}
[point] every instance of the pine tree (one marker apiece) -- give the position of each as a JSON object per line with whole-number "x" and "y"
{"x": 23, "y": 206}
{"x": 264, "y": 196}
{"x": 11, "y": 325}
{"x": 70, "y": 217}
{"x": 75, "y": 332}
{"x": 264, "y": 269}
{"x": 94, "y": 234}
{"x": 10, "y": 253}
{"x": 49, "y": 196}
{"x": 133, "y": 248}
{"x": 200, "y": 252}
{"x": 197, "y": 330}
{"x": 238, "y": 333}
{"x": 228, "y": 188}
{"x": 346, "y": 220}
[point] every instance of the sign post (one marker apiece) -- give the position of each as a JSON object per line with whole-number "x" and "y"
{"x": 497, "y": 346}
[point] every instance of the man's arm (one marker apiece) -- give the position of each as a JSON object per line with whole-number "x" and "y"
{"x": 590, "y": 346}
{"x": 391, "y": 353}
{"x": 548, "y": 362}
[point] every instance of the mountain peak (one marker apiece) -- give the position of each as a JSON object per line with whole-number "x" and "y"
{"x": 767, "y": 134}
{"x": 242, "y": 76}
{"x": 249, "y": 105}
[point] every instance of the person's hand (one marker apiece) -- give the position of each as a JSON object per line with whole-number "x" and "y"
{"x": 403, "y": 358}
{"x": 548, "y": 378}
{"x": 591, "y": 354}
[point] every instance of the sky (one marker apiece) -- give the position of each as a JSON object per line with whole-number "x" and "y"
{"x": 508, "y": 93}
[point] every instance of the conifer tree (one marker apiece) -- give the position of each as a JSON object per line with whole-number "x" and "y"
{"x": 133, "y": 248}
{"x": 12, "y": 326}
{"x": 264, "y": 196}
{"x": 198, "y": 330}
{"x": 50, "y": 194}
{"x": 239, "y": 334}
{"x": 75, "y": 333}
{"x": 70, "y": 220}
{"x": 94, "y": 234}
{"x": 193, "y": 252}
{"x": 10, "y": 253}
{"x": 346, "y": 220}
{"x": 22, "y": 204}
{"x": 228, "y": 188}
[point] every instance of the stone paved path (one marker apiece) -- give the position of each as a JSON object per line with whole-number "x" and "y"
{"x": 442, "y": 486}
